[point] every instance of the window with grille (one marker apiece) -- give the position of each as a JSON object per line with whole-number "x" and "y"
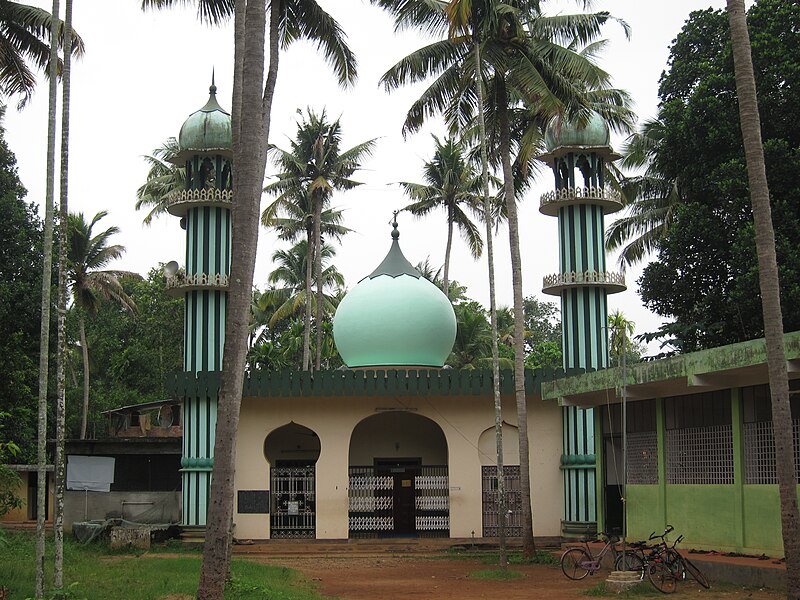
{"x": 759, "y": 438}
{"x": 642, "y": 439}
{"x": 699, "y": 438}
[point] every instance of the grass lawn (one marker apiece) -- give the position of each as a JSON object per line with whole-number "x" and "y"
{"x": 94, "y": 573}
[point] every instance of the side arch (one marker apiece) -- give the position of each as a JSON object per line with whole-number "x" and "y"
{"x": 292, "y": 451}
{"x": 490, "y": 507}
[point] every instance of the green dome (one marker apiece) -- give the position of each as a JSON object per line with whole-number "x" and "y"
{"x": 560, "y": 134}
{"x": 394, "y": 317}
{"x": 208, "y": 128}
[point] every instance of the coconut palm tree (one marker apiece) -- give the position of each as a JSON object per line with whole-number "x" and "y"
{"x": 25, "y": 34}
{"x": 621, "y": 329}
{"x": 311, "y": 171}
{"x": 163, "y": 178}
{"x": 289, "y": 278}
{"x": 450, "y": 183}
{"x": 253, "y": 93}
{"x": 529, "y": 58}
{"x": 456, "y": 292}
{"x": 650, "y": 199}
{"x": 770, "y": 290}
{"x": 473, "y": 346}
{"x": 60, "y": 457}
{"x": 90, "y": 283}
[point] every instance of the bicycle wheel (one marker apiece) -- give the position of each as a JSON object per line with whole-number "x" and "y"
{"x": 661, "y": 578}
{"x": 692, "y": 569}
{"x": 575, "y": 563}
{"x": 633, "y": 562}
{"x": 674, "y": 560}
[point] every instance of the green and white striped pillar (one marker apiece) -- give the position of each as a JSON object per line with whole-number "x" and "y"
{"x": 208, "y": 233}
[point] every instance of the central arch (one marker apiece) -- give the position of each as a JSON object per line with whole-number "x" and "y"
{"x": 398, "y": 478}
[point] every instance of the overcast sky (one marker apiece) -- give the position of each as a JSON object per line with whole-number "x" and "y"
{"x": 144, "y": 73}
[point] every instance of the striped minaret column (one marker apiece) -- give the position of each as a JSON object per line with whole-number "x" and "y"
{"x": 204, "y": 206}
{"x": 583, "y": 284}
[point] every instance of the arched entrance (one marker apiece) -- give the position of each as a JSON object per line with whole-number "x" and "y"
{"x": 292, "y": 452}
{"x": 398, "y": 480}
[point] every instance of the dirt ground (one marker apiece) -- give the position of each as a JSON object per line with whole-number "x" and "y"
{"x": 390, "y": 578}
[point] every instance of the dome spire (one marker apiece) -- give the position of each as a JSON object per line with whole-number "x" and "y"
{"x": 212, "y": 103}
{"x": 395, "y": 264}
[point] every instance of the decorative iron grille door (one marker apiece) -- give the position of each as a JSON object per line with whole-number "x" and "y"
{"x": 293, "y": 510}
{"x": 490, "y": 501}
{"x": 432, "y": 500}
{"x": 372, "y": 510}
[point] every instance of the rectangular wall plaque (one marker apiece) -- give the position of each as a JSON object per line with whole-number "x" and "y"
{"x": 253, "y": 502}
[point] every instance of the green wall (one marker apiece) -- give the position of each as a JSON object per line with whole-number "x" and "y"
{"x": 710, "y": 517}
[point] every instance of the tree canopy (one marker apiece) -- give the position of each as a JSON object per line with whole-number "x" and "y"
{"x": 20, "y": 292}
{"x": 705, "y": 276}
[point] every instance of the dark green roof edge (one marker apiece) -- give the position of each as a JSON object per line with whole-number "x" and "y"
{"x": 391, "y": 382}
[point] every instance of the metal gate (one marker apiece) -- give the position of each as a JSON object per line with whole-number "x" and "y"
{"x": 293, "y": 510}
{"x": 373, "y": 494}
{"x": 491, "y": 517}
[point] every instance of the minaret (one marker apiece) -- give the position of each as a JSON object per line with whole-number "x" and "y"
{"x": 204, "y": 207}
{"x": 583, "y": 285}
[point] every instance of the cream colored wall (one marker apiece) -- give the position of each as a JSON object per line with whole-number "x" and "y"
{"x": 461, "y": 419}
{"x": 547, "y": 487}
{"x": 21, "y": 514}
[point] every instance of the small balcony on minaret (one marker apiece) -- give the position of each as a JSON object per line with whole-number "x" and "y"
{"x": 610, "y": 281}
{"x": 181, "y": 282}
{"x": 608, "y": 199}
{"x": 181, "y": 201}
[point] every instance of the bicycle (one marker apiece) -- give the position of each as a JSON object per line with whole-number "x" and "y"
{"x": 680, "y": 565}
{"x": 578, "y": 561}
{"x": 677, "y": 563}
{"x": 652, "y": 559}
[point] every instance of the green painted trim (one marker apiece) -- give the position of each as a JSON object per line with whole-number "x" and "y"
{"x": 661, "y": 436}
{"x": 738, "y": 464}
{"x": 600, "y": 475}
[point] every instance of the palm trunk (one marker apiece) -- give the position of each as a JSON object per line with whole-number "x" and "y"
{"x": 528, "y": 545}
{"x": 44, "y": 334}
{"x": 307, "y": 318}
{"x": 498, "y": 406}
{"x": 251, "y": 130}
{"x": 447, "y": 249}
{"x": 60, "y": 466}
{"x": 85, "y": 356}
{"x": 770, "y": 291}
{"x": 318, "y": 274}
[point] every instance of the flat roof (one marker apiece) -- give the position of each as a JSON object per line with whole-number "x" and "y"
{"x": 726, "y": 367}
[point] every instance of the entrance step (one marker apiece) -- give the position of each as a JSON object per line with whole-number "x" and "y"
{"x": 193, "y": 534}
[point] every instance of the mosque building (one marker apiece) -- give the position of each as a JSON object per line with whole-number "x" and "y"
{"x": 398, "y": 445}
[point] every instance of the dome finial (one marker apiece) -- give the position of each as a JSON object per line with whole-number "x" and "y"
{"x": 395, "y": 232}
{"x": 213, "y": 88}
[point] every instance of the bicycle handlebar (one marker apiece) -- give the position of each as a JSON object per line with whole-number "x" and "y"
{"x": 669, "y": 529}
